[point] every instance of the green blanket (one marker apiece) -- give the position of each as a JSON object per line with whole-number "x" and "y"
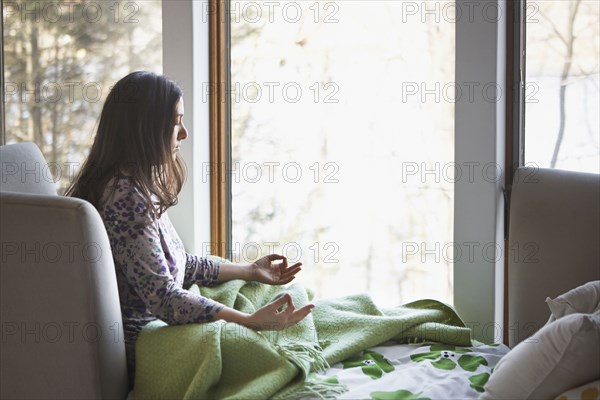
{"x": 225, "y": 360}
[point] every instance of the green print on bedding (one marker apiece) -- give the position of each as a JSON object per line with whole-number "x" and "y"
{"x": 478, "y": 381}
{"x": 397, "y": 395}
{"x": 372, "y": 364}
{"x": 445, "y": 357}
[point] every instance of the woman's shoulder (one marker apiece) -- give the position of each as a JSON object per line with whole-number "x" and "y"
{"x": 122, "y": 195}
{"x": 119, "y": 186}
{"x": 124, "y": 211}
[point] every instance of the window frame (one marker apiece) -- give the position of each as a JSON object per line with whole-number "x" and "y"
{"x": 220, "y": 127}
{"x": 515, "y": 95}
{"x": 515, "y": 119}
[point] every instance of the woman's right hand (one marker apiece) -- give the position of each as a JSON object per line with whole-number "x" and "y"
{"x": 272, "y": 318}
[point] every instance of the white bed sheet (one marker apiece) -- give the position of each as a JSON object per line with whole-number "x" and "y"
{"x": 415, "y": 372}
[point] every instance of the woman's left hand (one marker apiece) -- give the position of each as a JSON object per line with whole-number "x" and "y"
{"x": 268, "y": 270}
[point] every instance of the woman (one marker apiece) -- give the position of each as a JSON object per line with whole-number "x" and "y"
{"x": 132, "y": 175}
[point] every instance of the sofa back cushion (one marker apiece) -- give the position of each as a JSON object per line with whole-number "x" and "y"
{"x": 554, "y": 235}
{"x": 23, "y": 169}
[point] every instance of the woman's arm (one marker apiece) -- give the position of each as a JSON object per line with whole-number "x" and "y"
{"x": 270, "y": 317}
{"x": 272, "y": 269}
{"x": 229, "y": 271}
{"x": 209, "y": 272}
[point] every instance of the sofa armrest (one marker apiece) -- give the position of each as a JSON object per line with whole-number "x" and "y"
{"x": 62, "y": 334}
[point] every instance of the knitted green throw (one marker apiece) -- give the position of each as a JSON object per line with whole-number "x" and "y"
{"x": 220, "y": 360}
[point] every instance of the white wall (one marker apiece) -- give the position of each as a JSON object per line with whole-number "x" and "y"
{"x": 185, "y": 60}
{"x": 479, "y": 145}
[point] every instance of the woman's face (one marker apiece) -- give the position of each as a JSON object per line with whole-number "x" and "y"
{"x": 179, "y": 131}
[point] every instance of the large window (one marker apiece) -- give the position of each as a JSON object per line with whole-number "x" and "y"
{"x": 61, "y": 59}
{"x": 563, "y": 81}
{"x": 343, "y": 143}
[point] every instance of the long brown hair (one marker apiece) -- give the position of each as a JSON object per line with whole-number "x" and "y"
{"x": 134, "y": 135}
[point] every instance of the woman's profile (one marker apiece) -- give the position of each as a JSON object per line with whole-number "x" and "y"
{"x": 132, "y": 175}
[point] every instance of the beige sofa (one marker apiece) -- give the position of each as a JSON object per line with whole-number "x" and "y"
{"x": 554, "y": 233}
{"x": 62, "y": 333}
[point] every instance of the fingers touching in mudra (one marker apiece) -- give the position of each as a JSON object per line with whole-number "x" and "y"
{"x": 274, "y": 270}
{"x": 279, "y": 314}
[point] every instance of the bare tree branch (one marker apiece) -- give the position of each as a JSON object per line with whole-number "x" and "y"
{"x": 563, "y": 84}
{"x": 554, "y": 28}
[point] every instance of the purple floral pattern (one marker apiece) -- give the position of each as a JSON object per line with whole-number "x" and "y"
{"x": 153, "y": 269}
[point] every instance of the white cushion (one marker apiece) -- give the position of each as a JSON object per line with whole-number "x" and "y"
{"x": 562, "y": 355}
{"x": 583, "y": 299}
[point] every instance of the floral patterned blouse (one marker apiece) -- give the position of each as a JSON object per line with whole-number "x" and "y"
{"x": 152, "y": 265}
